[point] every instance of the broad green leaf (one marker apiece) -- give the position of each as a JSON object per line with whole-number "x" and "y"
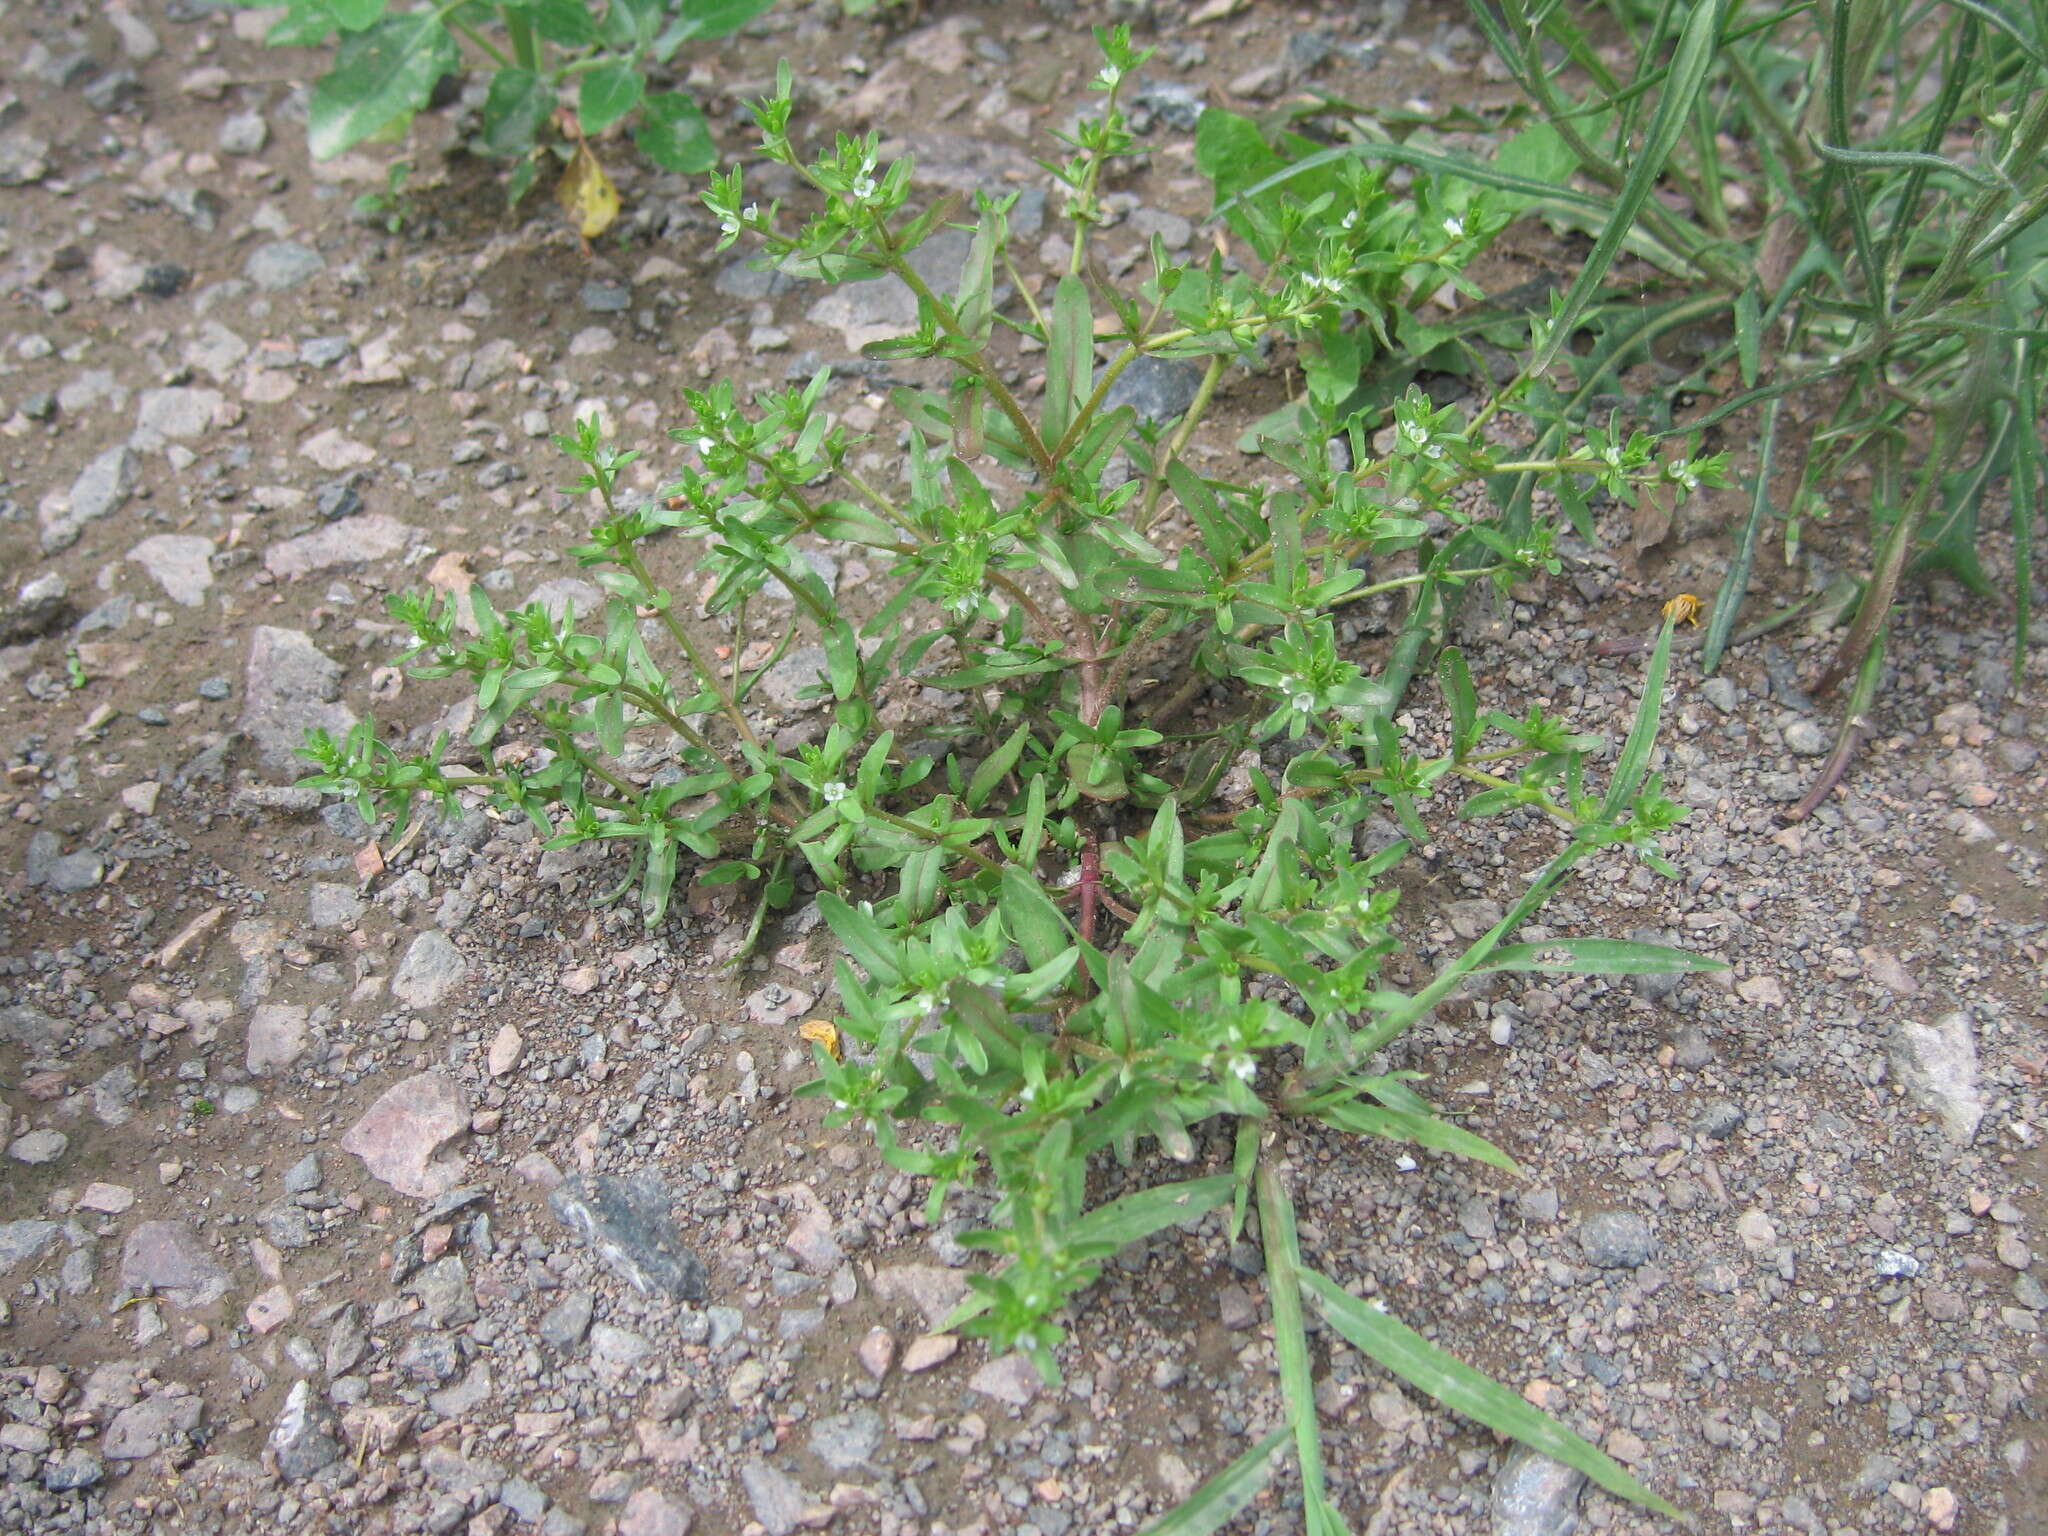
{"x": 1031, "y": 919}
{"x": 1599, "y": 957}
{"x": 607, "y": 94}
{"x": 863, "y": 937}
{"x": 1128, "y": 1218}
{"x": 308, "y": 22}
{"x": 673, "y": 134}
{"x": 380, "y": 77}
{"x": 514, "y": 110}
{"x": 566, "y": 23}
{"x": 1464, "y": 1390}
{"x": 716, "y": 18}
{"x": 1069, "y": 358}
{"x": 994, "y": 766}
{"x": 1210, "y": 1507}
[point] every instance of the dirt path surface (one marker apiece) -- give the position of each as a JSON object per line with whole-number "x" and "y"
{"x": 419, "y": 1191}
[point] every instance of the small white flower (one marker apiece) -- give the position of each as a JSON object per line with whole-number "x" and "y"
{"x": 833, "y": 792}
{"x": 1612, "y": 454}
{"x": 1349, "y": 221}
{"x": 1305, "y": 702}
{"x": 1245, "y": 1068}
{"x": 704, "y": 447}
{"x": 728, "y": 224}
{"x": 1454, "y": 227}
{"x": 1415, "y": 432}
{"x": 1110, "y": 77}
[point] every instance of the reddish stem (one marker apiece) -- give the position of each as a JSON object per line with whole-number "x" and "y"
{"x": 1091, "y": 884}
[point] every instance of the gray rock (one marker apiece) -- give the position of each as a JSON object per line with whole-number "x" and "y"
{"x": 1721, "y": 1119}
{"x": 602, "y": 298}
{"x": 628, "y": 1221}
{"x": 115, "y": 91}
{"x": 180, "y": 563}
{"x": 244, "y": 133}
{"x": 1159, "y": 389}
{"x": 323, "y": 351}
{"x": 138, "y": 40}
{"x": 802, "y": 668}
{"x": 38, "y": 608}
{"x": 73, "y": 1470}
{"x": 881, "y": 307}
{"x": 1719, "y": 692}
{"x": 1175, "y": 104}
{"x": 76, "y": 872}
{"x": 24, "y": 159}
{"x": 564, "y": 1324}
{"x": 1938, "y": 1062}
{"x": 142, "y": 1429}
{"x": 444, "y": 1293}
{"x": 281, "y": 264}
{"x": 847, "y": 1440}
{"x": 277, "y": 1037}
{"x": 432, "y": 969}
{"x": 557, "y": 597}
{"x": 303, "y": 1177}
{"x": 21, "y": 1241}
{"x": 305, "y": 1440}
{"x": 174, "y": 414}
{"x": 1535, "y": 1496}
{"x": 168, "y": 1258}
{"x": 1616, "y": 1240}
{"x": 290, "y": 688}
{"x": 1806, "y": 739}
{"x": 778, "y": 1499}
{"x": 38, "y": 1147}
{"x": 101, "y": 487}
{"x": 353, "y": 541}
{"x": 31, "y": 1029}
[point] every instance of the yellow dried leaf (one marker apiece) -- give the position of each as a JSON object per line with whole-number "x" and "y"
{"x": 825, "y": 1033}
{"x": 586, "y": 193}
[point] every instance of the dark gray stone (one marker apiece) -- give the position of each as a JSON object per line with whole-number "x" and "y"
{"x": 1535, "y": 1496}
{"x": 1159, "y": 389}
{"x": 37, "y": 609}
{"x": 847, "y": 1440}
{"x": 564, "y": 1324}
{"x": 305, "y": 1440}
{"x": 73, "y": 1470}
{"x": 627, "y": 1221}
{"x": 778, "y": 1499}
{"x": 290, "y": 688}
{"x": 281, "y": 264}
{"x": 1616, "y": 1240}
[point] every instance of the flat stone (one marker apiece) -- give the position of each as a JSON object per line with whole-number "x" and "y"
{"x": 431, "y": 970}
{"x": 105, "y": 483}
{"x": 107, "y": 1199}
{"x": 175, "y": 414}
{"x": 847, "y": 1440}
{"x": 334, "y": 451}
{"x": 929, "y": 1351}
{"x": 38, "y": 1147}
{"x": 169, "y": 1258}
{"x": 1012, "y": 1379}
{"x": 21, "y": 1241}
{"x": 506, "y": 1047}
{"x": 1938, "y": 1062}
{"x": 277, "y": 1037}
{"x": 142, "y": 1429}
{"x": 932, "y": 1289}
{"x": 444, "y": 1292}
{"x": 180, "y": 563}
{"x": 290, "y": 687}
{"x": 400, "y": 1135}
{"x": 281, "y": 264}
{"x": 618, "y": 1349}
{"x": 562, "y": 594}
{"x": 778, "y": 1500}
{"x": 351, "y": 541}
{"x": 1159, "y": 389}
{"x": 650, "y": 1512}
{"x": 628, "y": 1221}
{"x": 331, "y": 905}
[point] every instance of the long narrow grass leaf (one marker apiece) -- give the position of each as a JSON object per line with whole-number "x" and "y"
{"x": 1735, "y": 585}
{"x": 1634, "y": 761}
{"x": 1290, "y": 1332}
{"x": 1463, "y": 1390}
{"x": 2026, "y": 479}
{"x": 1210, "y": 1506}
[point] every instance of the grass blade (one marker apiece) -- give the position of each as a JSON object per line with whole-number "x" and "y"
{"x": 1599, "y": 957}
{"x": 1735, "y": 585}
{"x": 1290, "y": 1338}
{"x": 1634, "y": 761}
{"x": 2026, "y": 479}
{"x": 1462, "y": 1389}
{"x": 1689, "y": 66}
{"x": 1210, "y": 1507}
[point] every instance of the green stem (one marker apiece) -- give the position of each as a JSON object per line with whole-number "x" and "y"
{"x": 1156, "y": 481}
{"x": 519, "y": 28}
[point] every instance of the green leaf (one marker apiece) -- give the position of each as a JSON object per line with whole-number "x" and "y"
{"x": 1031, "y": 919}
{"x": 1069, "y": 358}
{"x": 514, "y": 110}
{"x": 1599, "y": 957}
{"x": 1634, "y": 761}
{"x": 307, "y": 22}
{"x": 1735, "y": 585}
{"x": 607, "y": 94}
{"x": 673, "y": 134}
{"x": 1423, "y": 1130}
{"x": 1463, "y": 1390}
{"x": 1463, "y": 701}
{"x": 380, "y": 77}
{"x": 864, "y": 939}
{"x": 1210, "y": 1507}
{"x": 1290, "y": 1334}
{"x": 994, "y": 766}
{"x": 565, "y": 23}
{"x": 716, "y": 18}
{"x": 1129, "y": 1218}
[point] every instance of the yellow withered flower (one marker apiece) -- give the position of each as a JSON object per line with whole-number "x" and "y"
{"x": 825, "y": 1033}
{"x": 1685, "y": 608}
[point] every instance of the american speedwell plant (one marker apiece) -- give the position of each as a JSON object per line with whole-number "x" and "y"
{"x": 1090, "y": 920}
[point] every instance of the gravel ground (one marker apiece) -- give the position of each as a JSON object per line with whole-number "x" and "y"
{"x": 410, "y": 1189}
